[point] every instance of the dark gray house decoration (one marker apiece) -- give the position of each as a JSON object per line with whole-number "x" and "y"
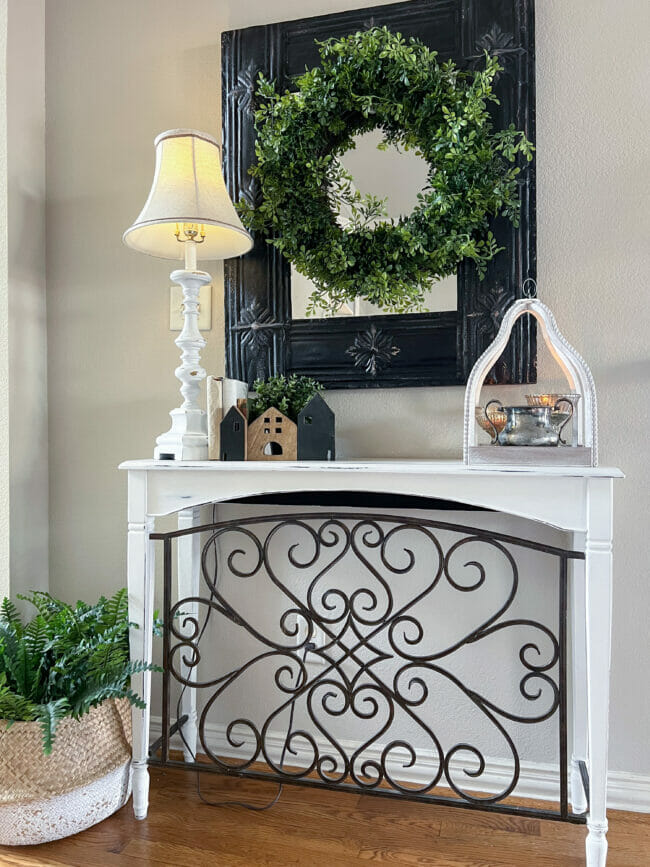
{"x": 233, "y": 435}
{"x": 316, "y": 431}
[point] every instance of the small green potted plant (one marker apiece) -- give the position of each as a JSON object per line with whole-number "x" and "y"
{"x": 289, "y": 395}
{"x": 303, "y": 430}
{"x": 65, "y": 723}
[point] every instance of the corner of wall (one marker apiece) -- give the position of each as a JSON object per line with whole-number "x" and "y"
{"x": 25, "y": 312}
{"x": 4, "y": 294}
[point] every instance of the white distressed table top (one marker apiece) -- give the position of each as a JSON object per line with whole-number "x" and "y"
{"x": 371, "y": 465}
{"x": 554, "y": 495}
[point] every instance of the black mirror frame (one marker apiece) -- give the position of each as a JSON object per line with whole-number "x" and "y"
{"x": 392, "y": 350}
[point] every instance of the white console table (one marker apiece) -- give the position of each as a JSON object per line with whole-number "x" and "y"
{"x": 574, "y": 499}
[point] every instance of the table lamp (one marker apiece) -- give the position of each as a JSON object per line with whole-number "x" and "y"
{"x": 189, "y": 215}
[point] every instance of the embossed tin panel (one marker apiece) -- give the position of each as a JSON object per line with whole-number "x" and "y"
{"x": 404, "y": 350}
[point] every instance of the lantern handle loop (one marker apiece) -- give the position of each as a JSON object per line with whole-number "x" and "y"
{"x": 529, "y": 288}
{"x": 567, "y": 420}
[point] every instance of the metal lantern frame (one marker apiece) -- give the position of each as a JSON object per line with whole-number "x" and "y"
{"x": 579, "y": 378}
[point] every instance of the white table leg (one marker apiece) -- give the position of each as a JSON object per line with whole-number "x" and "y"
{"x": 140, "y": 568}
{"x": 599, "y": 608}
{"x": 188, "y": 554}
{"x": 578, "y": 677}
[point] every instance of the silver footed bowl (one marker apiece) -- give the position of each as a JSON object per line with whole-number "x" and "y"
{"x": 530, "y": 425}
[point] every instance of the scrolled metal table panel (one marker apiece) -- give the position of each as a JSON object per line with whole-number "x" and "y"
{"x": 378, "y": 667}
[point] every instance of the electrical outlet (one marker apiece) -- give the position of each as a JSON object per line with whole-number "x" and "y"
{"x": 176, "y": 308}
{"x": 318, "y": 639}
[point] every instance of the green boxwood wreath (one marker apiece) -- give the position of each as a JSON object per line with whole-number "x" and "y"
{"x": 369, "y": 80}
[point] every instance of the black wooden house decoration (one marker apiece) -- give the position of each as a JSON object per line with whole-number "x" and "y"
{"x": 233, "y": 435}
{"x": 316, "y": 440}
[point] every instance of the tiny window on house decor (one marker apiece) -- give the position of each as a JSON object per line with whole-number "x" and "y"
{"x": 423, "y": 348}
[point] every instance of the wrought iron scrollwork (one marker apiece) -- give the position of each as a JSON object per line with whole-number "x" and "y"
{"x": 343, "y": 645}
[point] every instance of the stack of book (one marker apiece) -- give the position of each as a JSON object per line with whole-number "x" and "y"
{"x": 223, "y": 393}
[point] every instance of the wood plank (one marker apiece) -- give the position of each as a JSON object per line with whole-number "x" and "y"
{"x": 272, "y": 429}
{"x": 319, "y": 828}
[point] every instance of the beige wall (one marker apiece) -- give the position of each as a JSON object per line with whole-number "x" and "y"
{"x": 120, "y": 72}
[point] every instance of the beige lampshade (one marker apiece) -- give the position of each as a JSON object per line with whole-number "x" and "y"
{"x": 188, "y": 188}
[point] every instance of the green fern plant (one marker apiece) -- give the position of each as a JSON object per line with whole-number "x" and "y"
{"x": 65, "y": 661}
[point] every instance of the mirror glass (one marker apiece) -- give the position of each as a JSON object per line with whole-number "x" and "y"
{"x": 396, "y": 177}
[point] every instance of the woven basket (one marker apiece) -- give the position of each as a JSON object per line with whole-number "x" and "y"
{"x": 84, "y": 780}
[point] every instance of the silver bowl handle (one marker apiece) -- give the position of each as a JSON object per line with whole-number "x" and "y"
{"x": 566, "y": 421}
{"x": 494, "y": 440}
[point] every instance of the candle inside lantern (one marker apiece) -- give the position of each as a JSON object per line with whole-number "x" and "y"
{"x": 551, "y": 399}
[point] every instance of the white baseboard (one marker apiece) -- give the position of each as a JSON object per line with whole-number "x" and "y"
{"x": 625, "y": 791}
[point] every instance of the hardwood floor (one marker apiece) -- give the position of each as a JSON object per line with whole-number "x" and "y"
{"x": 312, "y": 828}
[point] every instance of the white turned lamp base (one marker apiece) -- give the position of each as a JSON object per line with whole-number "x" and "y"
{"x": 187, "y": 439}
